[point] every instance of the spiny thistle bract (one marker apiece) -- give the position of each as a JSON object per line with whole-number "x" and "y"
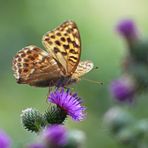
{"x": 32, "y": 120}
{"x": 55, "y": 115}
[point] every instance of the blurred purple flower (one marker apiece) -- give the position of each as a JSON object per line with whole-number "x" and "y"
{"x": 55, "y": 136}
{"x": 69, "y": 102}
{"x": 123, "y": 89}
{"x": 127, "y": 29}
{"x": 5, "y": 141}
{"x": 35, "y": 145}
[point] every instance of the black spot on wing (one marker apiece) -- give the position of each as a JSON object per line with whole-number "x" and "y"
{"x": 58, "y": 43}
{"x": 66, "y": 46}
{"x": 56, "y": 50}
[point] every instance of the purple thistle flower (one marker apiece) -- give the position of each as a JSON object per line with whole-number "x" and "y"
{"x": 55, "y": 136}
{"x": 127, "y": 29}
{"x": 123, "y": 89}
{"x": 69, "y": 102}
{"x": 5, "y": 141}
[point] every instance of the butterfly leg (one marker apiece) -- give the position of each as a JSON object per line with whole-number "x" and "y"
{"x": 49, "y": 90}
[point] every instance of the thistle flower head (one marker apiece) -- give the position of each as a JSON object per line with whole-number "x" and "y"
{"x": 55, "y": 136}
{"x": 69, "y": 102}
{"x": 5, "y": 141}
{"x": 117, "y": 118}
{"x": 123, "y": 89}
{"x": 32, "y": 120}
{"x": 128, "y": 30}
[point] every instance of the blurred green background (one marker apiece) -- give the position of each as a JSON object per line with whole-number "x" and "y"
{"x": 24, "y": 22}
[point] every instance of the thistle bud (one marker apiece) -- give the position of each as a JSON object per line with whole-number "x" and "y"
{"x": 32, "y": 120}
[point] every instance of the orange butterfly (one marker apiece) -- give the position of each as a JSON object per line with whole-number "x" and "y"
{"x": 60, "y": 63}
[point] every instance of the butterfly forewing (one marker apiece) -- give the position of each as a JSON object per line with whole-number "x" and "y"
{"x": 34, "y": 66}
{"x": 64, "y": 45}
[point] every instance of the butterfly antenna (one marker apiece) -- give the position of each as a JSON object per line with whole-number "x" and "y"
{"x": 50, "y": 89}
{"x": 95, "y": 68}
{"x": 92, "y": 81}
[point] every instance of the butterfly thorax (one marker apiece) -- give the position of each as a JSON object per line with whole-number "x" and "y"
{"x": 65, "y": 81}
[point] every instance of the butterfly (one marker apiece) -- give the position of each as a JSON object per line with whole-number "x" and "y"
{"x": 60, "y": 63}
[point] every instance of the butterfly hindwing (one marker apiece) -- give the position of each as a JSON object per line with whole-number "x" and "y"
{"x": 83, "y": 68}
{"x": 34, "y": 66}
{"x": 64, "y": 45}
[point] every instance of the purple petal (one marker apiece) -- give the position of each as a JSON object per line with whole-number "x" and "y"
{"x": 5, "y": 141}
{"x": 56, "y": 135}
{"x": 68, "y": 101}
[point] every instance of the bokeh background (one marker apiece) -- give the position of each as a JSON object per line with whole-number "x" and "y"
{"x": 24, "y": 22}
